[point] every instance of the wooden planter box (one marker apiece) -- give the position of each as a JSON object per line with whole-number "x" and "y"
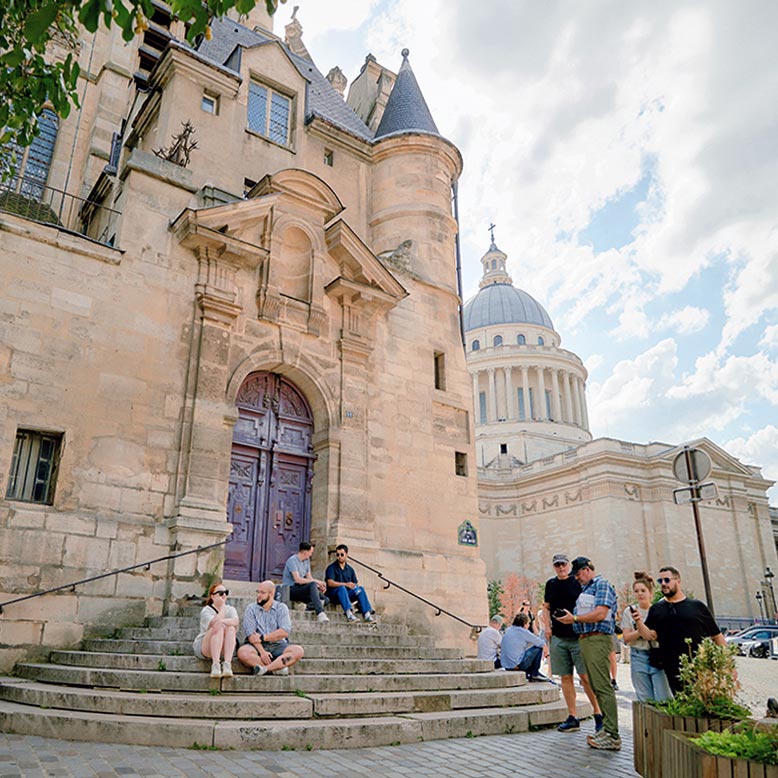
{"x": 649, "y": 724}
{"x": 682, "y": 759}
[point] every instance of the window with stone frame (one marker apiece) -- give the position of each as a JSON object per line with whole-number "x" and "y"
{"x": 440, "y": 370}
{"x": 31, "y": 165}
{"x": 34, "y": 466}
{"x": 269, "y": 113}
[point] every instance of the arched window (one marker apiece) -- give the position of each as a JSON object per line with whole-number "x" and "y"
{"x": 541, "y": 342}
{"x": 521, "y": 340}
{"x": 476, "y": 346}
{"x": 33, "y": 163}
{"x": 498, "y": 340}
{"x": 494, "y": 264}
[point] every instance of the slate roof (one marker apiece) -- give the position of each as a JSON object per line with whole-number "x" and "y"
{"x": 504, "y": 304}
{"x": 322, "y": 100}
{"x": 406, "y": 108}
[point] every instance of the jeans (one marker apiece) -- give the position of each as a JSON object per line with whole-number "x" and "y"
{"x": 308, "y": 593}
{"x": 649, "y": 682}
{"x": 346, "y": 596}
{"x": 596, "y": 650}
{"x": 530, "y": 662}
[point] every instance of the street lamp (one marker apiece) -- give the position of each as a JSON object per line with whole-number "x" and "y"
{"x": 759, "y": 599}
{"x": 768, "y": 579}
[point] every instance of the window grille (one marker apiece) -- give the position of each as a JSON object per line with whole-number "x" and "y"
{"x": 34, "y": 466}
{"x": 272, "y": 123}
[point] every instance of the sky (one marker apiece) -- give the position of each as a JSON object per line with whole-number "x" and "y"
{"x": 628, "y": 154}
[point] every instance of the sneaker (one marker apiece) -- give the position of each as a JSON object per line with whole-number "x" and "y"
{"x": 259, "y": 670}
{"x": 614, "y": 685}
{"x": 570, "y": 724}
{"x": 216, "y": 670}
{"x": 539, "y": 677}
{"x": 322, "y": 617}
{"x": 226, "y": 670}
{"x": 350, "y": 616}
{"x": 282, "y": 671}
{"x": 370, "y": 617}
{"x": 597, "y": 722}
{"x": 604, "y": 741}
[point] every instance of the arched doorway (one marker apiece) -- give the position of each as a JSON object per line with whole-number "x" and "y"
{"x": 269, "y": 503}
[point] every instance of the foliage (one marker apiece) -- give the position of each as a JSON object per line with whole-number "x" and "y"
{"x": 39, "y": 52}
{"x": 710, "y": 684}
{"x": 516, "y": 589}
{"x": 744, "y": 741}
{"x": 493, "y": 591}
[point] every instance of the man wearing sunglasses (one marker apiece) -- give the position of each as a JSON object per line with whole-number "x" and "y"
{"x": 675, "y": 620}
{"x": 342, "y": 585}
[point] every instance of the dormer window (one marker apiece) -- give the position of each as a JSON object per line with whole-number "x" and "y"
{"x": 269, "y": 113}
{"x": 541, "y": 342}
{"x": 521, "y": 340}
{"x": 498, "y": 340}
{"x": 476, "y": 346}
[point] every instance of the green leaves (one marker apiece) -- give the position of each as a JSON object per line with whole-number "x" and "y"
{"x": 38, "y": 22}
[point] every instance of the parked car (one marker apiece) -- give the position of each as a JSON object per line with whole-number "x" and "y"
{"x": 754, "y": 641}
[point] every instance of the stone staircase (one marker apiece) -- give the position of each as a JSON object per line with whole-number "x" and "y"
{"x": 358, "y": 685}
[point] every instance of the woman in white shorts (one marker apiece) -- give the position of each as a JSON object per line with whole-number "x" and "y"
{"x": 218, "y": 627}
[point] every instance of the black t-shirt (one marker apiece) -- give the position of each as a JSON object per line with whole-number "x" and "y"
{"x": 562, "y": 594}
{"x": 673, "y": 623}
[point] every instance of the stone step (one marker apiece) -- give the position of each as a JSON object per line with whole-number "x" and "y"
{"x": 273, "y": 734}
{"x": 166, "y": 705}
{"x": 301, "y": 631}
{"x": 312, "y": 651}
{"x": 191, "y": 664}
{"x": 308, "y": 684}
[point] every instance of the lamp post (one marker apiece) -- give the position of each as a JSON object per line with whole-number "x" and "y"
{"x": 760, "y": 600}
{"x": 768, "y": 579}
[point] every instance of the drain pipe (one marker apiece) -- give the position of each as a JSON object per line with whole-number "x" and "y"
{"x": 455, "y": 200}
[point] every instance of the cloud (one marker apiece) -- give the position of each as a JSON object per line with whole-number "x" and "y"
{"x": 761, "y": 448}
{"x": 685, "y": 320}
{"x": 770, "y": 337}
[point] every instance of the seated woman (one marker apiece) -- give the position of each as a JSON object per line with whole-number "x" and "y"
{"x": 650, "y": 682}
{"x": 218, "y": 627}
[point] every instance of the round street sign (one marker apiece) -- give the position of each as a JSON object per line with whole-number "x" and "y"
{"x": 695, "y": 468}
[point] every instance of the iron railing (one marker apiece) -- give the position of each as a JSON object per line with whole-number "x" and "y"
{"x": 474, "y": 628}
{"x": 30, "y": 199}
{"x": 144, "y": 565}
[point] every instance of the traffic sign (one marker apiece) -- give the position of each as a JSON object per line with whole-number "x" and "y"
{"x": 691, "y": 466}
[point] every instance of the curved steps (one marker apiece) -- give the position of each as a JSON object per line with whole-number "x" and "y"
{"x": 359, "y": 685}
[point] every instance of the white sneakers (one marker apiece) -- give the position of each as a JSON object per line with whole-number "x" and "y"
{"x": 322, "y": 617}
{"x": 216, "y": 670}
{"x": 369, "y": 617}
{"x": 282, "y": 671}
{"x": 350, "y": 616}
{"x": 226, "y": 670}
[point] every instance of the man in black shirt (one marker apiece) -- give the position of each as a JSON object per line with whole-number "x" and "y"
{"x": 561, "y": 593}
{"x": 674, "y": 620}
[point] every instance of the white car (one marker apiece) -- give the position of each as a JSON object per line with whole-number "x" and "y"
{"x": 754, "y": 641}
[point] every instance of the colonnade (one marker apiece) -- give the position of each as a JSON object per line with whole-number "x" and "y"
{"x": 508, "y": 396}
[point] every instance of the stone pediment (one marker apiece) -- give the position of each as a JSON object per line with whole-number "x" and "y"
{"x": 360, "y": 269}
{"x": 300, "y": 188}
{"x": 720, "y": 459}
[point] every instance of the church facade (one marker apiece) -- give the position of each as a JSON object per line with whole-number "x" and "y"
{"x": 545, "y": 486}
{"x": 230, "y": 312}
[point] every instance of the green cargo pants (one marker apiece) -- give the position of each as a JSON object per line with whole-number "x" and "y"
{"x": 596, "y": 650}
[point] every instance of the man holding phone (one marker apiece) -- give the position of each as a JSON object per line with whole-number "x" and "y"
{"x": 561, "y": 594}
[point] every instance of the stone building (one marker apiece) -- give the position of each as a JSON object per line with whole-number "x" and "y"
{"x": 229, "y": 305}
{"x": 545, "y": 486}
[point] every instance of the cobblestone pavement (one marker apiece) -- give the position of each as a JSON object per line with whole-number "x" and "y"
{"x": 528, "y": 755}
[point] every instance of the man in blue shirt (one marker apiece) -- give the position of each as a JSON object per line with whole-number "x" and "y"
{"x": 266, "y": 625}
{"x": 594, "y": 621}
{"x": 303, "y": 587}
{"x": 522, "y": 649}
{"x": 342, "y": 586}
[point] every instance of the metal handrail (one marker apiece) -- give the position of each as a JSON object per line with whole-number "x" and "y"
{"x": 145, "y": 565}
{"x": 474, "y": 628}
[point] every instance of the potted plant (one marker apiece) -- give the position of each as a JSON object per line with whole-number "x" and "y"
{"x": 707, "y": 703}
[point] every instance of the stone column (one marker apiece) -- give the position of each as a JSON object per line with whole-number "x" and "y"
{"x": 476, "y": 397}
{"x": 541, "y": 395}
{"x": 567, "y": 398}
{"x": 556, "y": 406}
{"x": 491, "y": 397}
{"x": 525, "y": 390}
{"x": 576, "y": 399}
{"x": 584, "y": 412}
{"x": 510, "y": 396}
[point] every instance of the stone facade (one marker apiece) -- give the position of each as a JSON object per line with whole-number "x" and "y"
{"x": 260, "y": 257}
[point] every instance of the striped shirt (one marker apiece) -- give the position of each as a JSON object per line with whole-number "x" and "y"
{"x": 596, "y": 593}
{"x": 257, "y": 619}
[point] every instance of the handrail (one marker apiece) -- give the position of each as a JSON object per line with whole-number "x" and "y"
{"x": 145, "y": 565}
{"x": 474, "y": 628}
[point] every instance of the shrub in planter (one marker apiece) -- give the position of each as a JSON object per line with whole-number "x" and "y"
{"x": 707, "y": 703}
{"x": 743, "y": 741}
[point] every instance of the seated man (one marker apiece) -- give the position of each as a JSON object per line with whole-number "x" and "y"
{"x": 522, "y": 649}
{"x": 303, "y": 587}
{"x": 342, "y": 585}
{"x": 267, "y": 625}
{"x": 489, "y": 642}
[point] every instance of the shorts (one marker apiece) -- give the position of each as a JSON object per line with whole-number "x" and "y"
{"x": 274, "y": 649}
{"x": 565, "y": 653}
{"x": 198, "y": 648}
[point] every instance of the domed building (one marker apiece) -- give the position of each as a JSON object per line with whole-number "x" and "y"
{"x": 530, "y": 398}
{"x": 545, "y": 486}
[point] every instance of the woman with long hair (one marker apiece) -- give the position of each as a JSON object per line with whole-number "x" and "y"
{"x": 218, "y": 627}
{"x": 650, "y": 682}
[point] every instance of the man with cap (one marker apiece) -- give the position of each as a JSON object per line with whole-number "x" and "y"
{"x": 594, "y": 621}
{"x": 561, "y": 593}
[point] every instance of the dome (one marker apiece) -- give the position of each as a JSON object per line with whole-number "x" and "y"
{"x": 504, "y": 304}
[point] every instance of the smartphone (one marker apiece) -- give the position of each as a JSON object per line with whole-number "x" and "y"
{"x": 633, "y": 610}
{"x": 558, "y": 612}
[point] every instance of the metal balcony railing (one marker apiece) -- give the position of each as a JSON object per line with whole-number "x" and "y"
{"x": 30, "y": 199}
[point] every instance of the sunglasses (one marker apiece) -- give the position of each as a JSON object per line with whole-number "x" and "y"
{"x": 221, "y": 592}
{"x": 664, "y": 580}
{"x": 340, "y": 553}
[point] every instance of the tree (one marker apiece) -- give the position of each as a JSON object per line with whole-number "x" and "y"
{"x": 517, "y": 589}
{"x": 494, "y": 591}
{"x": 31, "y": 79}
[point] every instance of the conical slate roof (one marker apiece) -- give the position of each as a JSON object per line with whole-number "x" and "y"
{"x": 406, "y": 110}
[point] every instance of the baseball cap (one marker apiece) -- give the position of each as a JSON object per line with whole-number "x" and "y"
{"x": 559, "y": 558}
{"x": 580, "y": 562}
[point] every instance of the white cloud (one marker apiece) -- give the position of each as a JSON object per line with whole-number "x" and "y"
{"x": 685, "y": 320}
{"x": 760, "y": 449}
{"x": 770, "y": 337}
